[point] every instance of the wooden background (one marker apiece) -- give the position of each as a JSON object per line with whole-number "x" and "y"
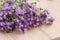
{"x": 44, "y": 32}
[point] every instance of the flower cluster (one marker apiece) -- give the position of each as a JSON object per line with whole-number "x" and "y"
{"x": 22, "y": 18}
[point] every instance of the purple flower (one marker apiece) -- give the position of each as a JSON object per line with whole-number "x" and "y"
{"x": 12, "y": 6}
{"x": 20, "y": 11}
{"x": 10, "y": 1}
{"x": 6, "y": 8}
{"x": 2, "y": 24}
{"x": 36, "y": 25}
{"x": 8, "y": 29}
{"x": 1, "y": 13}
{"x": 23, "y": 4}
{"x": 8, "y": 23}
{"x": 44, "y": 14}
{"x": 25, "y": 30}
{"x": 50, "y": 21}
{"x": 35, "y": 10}
{"x": 20, "y": 30}
{"x": 30, "y": 6}
{"x": 6, "y": 5}
{"x": 4, "y": 16}
{"x": 1, "y": 18}
{"x": 2, "y": 29}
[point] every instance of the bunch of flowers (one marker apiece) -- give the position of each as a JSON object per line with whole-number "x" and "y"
{"x": 22, "y": 18}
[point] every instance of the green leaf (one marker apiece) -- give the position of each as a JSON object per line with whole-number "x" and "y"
{"x": 40, "y": 9}
{"x": 34, "y": 3}
{"x": 6, "y": 19}
{"x": 17, "y": 18}
{"x": 17, "y": 4}
{"x": 26, "y": 6}
{"x": 0, "y": 8}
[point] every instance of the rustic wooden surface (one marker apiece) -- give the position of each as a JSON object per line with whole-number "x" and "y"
{"x": 44, "y": 32}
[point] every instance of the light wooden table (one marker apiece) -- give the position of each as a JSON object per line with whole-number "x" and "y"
{"x": 44, "y": 32}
